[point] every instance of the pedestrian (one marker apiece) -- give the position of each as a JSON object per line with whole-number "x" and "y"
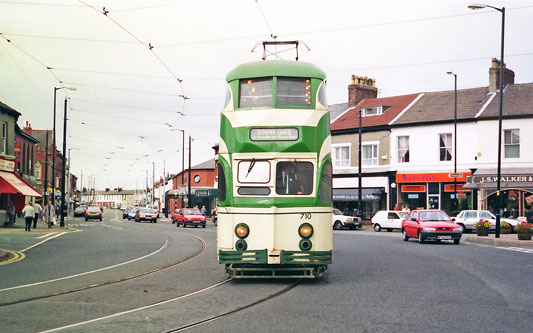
{"x": 204, "y": 211}
{"x": 11, "y": 213}
{"x": 50, "y": 214}
{"x": 37, "y": 209}
{"x": 29, "y": 214}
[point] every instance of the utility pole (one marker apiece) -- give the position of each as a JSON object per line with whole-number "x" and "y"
{"x": 62, "y": 223}
{"x": 189, "y": 178}
{"x": 46, "y": 173}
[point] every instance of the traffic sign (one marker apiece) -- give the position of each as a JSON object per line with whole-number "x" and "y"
{"x": 455, "y": 175}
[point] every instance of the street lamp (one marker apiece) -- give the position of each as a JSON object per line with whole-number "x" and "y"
{"x": 455, "y": 140}
{"x": 68, "y": 178}
{"x": 54, "y": 144}
{"x": 498, "y": 195}
{"x": 182, "y": 156}
{"x": 360, "y": 180}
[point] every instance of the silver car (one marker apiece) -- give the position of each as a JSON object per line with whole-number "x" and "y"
{"x": 467, "y": 219}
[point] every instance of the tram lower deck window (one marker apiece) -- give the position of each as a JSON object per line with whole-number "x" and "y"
{"x": 294, "y": 178}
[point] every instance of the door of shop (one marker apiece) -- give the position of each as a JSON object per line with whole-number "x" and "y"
{"x": 433, "y": 201}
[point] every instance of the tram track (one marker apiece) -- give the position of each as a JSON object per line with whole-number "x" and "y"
{"x": 107, "y": 283}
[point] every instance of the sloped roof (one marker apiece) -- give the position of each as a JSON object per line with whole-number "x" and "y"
{"x": 439, "y": 106}
{"x": 397, "y": 104}
{"x": 517, "y": 101}
{"x": 10, "y": 110}
{"x": 336, "y": 110}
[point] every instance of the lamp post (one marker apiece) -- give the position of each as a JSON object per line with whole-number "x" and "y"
{"x": 182, "y": 156}
{"x": 498, "y": 183}
{"x": 54, "y": 144}
{"x": 63, "y": 165}
{"x": 455, "y": 141}
{"x": 68, "y": 178}
{"x": 360, "y": 189}
{"x": 189, "y": 178}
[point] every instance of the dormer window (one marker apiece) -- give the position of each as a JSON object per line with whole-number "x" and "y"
{"x": 374, "y": 110}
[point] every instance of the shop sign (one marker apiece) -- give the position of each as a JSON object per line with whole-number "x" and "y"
{"x": 206, "y": 193}
{"x": 430, "y": 177}
{"x": 529, "y": 199}
{"x": 504, "y": 179}
{"x": 6, "y": 165}
{"x": 413, "y": 188}
{"x": 450, "y": 188}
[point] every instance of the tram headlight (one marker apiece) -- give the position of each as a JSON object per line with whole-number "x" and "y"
{"x": 242, "y": 230}
{"x": 305, "y": 230}
{"x": 241, "y": 245}
{"x": 306, "y": 244}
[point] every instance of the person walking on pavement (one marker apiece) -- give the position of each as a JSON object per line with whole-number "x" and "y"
{"x": 204, "y": 211}
{"x": 11, "y": 213}
{"x": 37, "y": 210}
{"x": 50, "y": 214}
{"x": 29, "y": 214}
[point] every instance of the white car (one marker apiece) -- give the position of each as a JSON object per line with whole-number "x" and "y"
{"x": 388, "y": 219}
{"x": 467, "y": 219}
{"x": 340, "y": 221}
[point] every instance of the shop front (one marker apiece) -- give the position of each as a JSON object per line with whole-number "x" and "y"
{"x": 347, "y": 199}
{"x": 516, "y": 190}
{"x": 434, "y": 191}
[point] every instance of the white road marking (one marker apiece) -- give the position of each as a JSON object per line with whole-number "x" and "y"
{"x": 85, "y": 273}
{"x": 516, "y": 249}
{"x": 138, "y": 309}
{"x": 46, "y": 240}
{"x": 47, "y": 235}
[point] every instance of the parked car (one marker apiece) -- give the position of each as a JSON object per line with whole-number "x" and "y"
{"x": 80, "y": 211}
{"x": 467, "y": 219}
{"x": 388, "y": 219}
{"x": 145, "y": 214}
{"x": 125, "y": 213}
{"x": 433, "y": 225}
{"x": 93, "y": 213}
{"x": 340, "y": 221}
{"x": 188, "y": 216}
{"x": 131, "y": 214}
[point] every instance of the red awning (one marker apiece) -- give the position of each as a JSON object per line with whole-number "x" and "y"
{"x": 11, "y": 183}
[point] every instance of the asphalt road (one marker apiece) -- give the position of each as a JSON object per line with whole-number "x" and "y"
{"x": 122, "y": 276}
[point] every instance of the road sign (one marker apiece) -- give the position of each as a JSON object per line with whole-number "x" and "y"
{"x": 182, "y": 189}
{"x": 455, "y": 175}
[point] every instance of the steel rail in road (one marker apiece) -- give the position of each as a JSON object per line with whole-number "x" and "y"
{"x": 167, "y": 241}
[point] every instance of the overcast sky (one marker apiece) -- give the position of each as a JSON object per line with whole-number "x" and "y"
{"x": 126, "y": 109}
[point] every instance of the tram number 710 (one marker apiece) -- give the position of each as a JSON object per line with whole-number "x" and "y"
{"x": 305, "y": 216}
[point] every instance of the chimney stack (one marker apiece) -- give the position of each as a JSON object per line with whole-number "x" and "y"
{"x": 361, "y": 88}
{"x": 494, "y": 76}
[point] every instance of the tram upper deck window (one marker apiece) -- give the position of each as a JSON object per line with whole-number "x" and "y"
{"x": 255, "y": 93}
{"x": 294, "y": 178}
{"x": 294, "y": 91}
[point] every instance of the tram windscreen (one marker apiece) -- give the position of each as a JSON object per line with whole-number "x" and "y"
{"x": 294, "y": 178}
{"x": 255, "y": 93}
{"x": 294, "y": 92}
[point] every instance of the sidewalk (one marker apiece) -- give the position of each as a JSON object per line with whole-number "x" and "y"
{"x": 504, "y": 240}
{"x": 20, "y": 226}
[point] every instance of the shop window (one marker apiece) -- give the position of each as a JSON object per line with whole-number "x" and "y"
{"x": 3, "y": 138}
{"x": 370, "y": 154}
{"x": 512, "y": 143}
{"x": 445, "y": 146}
{"x": 403, "y": 149}
{"x": 341, "y": 156}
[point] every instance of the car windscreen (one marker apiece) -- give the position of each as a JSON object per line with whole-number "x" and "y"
{"x": 146, "y": 210}
{"x": 191, "y": 212}
{"x": 434, "y": 216}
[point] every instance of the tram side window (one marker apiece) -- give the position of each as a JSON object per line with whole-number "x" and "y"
{"x": 221, "y": 184}
{"x": 294, "y": 178}
{"x": 255, "y": 93}
{"x": 326, "y": 194}
{"x": 294, "y": 91}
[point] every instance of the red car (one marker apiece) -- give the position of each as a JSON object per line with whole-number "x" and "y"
{"x": 434, "y": 225}
{"x": 145, "y": 214}
{"x": 188, "y": 216}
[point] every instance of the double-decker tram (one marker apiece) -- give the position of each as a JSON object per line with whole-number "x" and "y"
{"x": 274, "y": 172}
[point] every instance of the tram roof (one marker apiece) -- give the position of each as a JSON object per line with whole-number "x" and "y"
{"x": 275, "y": 68}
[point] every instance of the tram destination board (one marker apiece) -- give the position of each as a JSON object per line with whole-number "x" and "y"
{"x": 274, "y": 134}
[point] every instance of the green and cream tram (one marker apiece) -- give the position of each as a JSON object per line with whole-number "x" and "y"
{"x": 274, "y": 172}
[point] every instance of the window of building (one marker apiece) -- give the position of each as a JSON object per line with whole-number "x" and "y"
{"x": 37, "y": 171}
{"x": 341, "y": 156}
{"x": 3, "y": 138}
{"x": 370, "y": 154}
{"x": 512, "y": 143}
{"x": 403, "y": 149}
{"x": 255, "y": 93}
{"x": 445, "y": 146}
{"x": 373, "y": 110}
{"x": 294, "y": 91}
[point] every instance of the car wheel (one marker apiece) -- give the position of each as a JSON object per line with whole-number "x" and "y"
{"x": 377, "y": 227}
{"x": 511, "y": 229}
{"x": 457, "y": 241}
{"x": 463, "y": 226}
{"x": 337, "y": 225}
{"x": 420, "y": 238}
{"x": 86, "y": 219}
{"x": 389, "y": 229}
{"x": 100, "y": 220}
{"x": 404, "y": 236}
